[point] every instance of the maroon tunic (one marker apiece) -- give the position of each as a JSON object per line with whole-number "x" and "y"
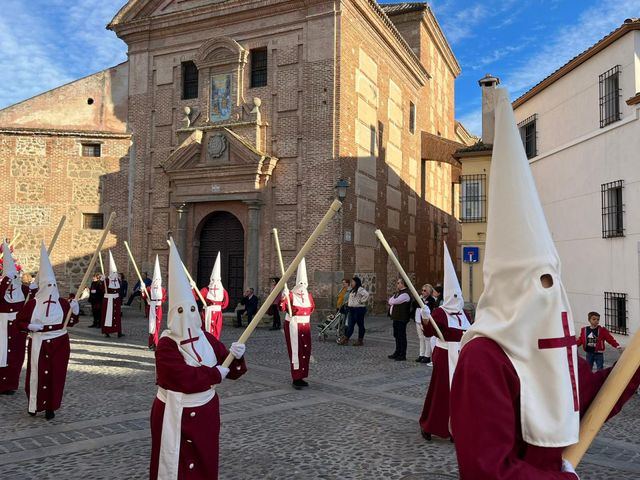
{"x": 304, "y": 337}
{"x": 216, "y": 317}
{"x": 116, "y": 325}
{"x": 485, "y": 416}
{"x": 16, "y": 341}
{"x": 53, "y": 360}
{"x": 434, "y": 418}
{"x": 200, "y": 425}
{"x": 153, "y": 338}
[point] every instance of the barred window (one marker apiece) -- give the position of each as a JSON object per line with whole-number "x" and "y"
{"x": 615, "y": 312}
{"x": 610, "y": 96}
{"x": 412, "y": 117}
{"x": 258, "y": 67}
{"x": 91, "y": 149}
{"x": 612, "y": 209}
{"x": 189, "y": 80}
{"x": 93, "y": 221}
{"x": 527, "y": 129}
{"x": 473, "y": 199}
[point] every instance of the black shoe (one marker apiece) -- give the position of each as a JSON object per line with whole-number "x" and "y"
{"x": 33, "y": 414}
{"x": 392, "y": 356}
{"x": 425, "y": 435}
{"x": 152, "y": 348}
{"x": 426, "y": 359}
{"x": 49, "y": 414}
{"x": 297, "y": 385}
{"x": 400, "y": 359}
{"x": 451, "y": 440}
{"x": 8, "y": 392}
{"x": 107, "y": 335}
{"x": 419, "y": 359}
{"x": 303, "y": 383}
{"x": 120, "y": 335}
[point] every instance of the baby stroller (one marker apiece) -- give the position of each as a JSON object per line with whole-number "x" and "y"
{"x": 335, "y": 322}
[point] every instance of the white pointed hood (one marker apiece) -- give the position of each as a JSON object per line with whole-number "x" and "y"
{"x": 47, "y": 310}
{"x": 453, "y": 302}
{"x": 300, "y": 292}
{"x": 531, "y": 323}
{"x": 156, "y": 282}
{"x": 113, "y": 277}
{"x": 183, "y": 319}
{"x": 13, "y": 294}
{"x": 216, "y": 289}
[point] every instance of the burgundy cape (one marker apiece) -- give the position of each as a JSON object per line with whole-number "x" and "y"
{"x": 200, "y": 425}
{"x": 53, "y": 360}
{"x": 434, "y": 418}
{"x": 116, "y": 325}
{"x": 304, "y": 337}
{"x": 153, "y": 338}
{"x": 16, "y": 341}
{"x": 485, "y": 416}
{"x": 216, "y": 317}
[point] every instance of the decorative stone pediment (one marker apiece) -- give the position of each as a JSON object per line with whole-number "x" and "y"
{"x": 217, "y": 161}
{"x": 220, "y": 52}
{"x": 137, "y": 9}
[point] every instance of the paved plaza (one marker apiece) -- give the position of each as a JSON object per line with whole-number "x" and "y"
{"x": 358, "y": 420}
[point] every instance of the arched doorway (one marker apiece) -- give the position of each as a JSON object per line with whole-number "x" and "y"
{"x": 222, "y": 232}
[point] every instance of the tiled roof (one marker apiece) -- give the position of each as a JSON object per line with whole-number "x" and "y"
{"x": 399, "y": 8}
{"x": 628, "y": 25}
{"x": 477, "y": 147}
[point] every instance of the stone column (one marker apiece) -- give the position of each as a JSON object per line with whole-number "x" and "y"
{"x": 253, "y": 244}
{"x": 181, "y": 230}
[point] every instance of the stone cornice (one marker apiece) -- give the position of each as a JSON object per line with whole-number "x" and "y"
{"x": 63, "y": 133}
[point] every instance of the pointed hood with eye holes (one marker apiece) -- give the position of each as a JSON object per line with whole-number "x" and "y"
{"x": 47, "y": 310}
{"x": 532, "y": 324}
{"x": 300, "y": 292}
{"x": 453, "y": 302}
{"x": 184, "y": 320}
{"x": 13, "y": 294}
{"x": 113, "y": 276}
{"x": 216, "y": 289}
{"x": 156, "y": 282}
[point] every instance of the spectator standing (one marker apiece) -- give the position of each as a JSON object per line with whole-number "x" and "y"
{"x": 250, "y": 302}
{"x": 592, "y": 338}
{"x": 357, "y": 305}
{"x": 437, "y": 297}
{"x": 137, "y": 289}
{"x": 274, "y": 309}
{"x": 343, "y": 297}
{"x": 96, "y": 295}
{"x": 400, "y": 313}
{"x": 124, "y": 286}
{"x": 424, "y": 341}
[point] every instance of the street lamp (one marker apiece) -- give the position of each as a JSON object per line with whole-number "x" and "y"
{"x": 341, "y": 189}
{"x": 445, "y": 229}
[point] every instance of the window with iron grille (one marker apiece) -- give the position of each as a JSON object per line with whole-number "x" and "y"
{"x": 412, "y": 117}
{"x": 258, "y": 67}
{"x": 615, "y": 312}
{"x": 610, "y": 96}
{"x": 189, "y": 80}
{"x": 612, "y": 209}
{"x": 91, "y": 149}
{"x": 93, "y": 221}
{"x": 473, "y": 198}
{"x": 527, "y": 129}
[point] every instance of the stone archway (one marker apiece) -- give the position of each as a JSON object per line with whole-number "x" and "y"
{"x": 222, "y": 232}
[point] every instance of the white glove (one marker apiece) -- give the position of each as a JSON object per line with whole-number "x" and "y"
{"x": 568, "y": 468}
{"x": 425, "y": 312}
{"x": 35, "y": 327}
{"x": 237, "y": 349}
{"x": 75, "y": 307}
{"x": 85, "y": 294}
{"x": 224, "y": 371}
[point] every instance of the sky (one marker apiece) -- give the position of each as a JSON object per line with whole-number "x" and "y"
{"x": 47, "y": 43}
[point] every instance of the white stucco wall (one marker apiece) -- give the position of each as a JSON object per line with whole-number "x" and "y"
{"x": 576, "y": 156}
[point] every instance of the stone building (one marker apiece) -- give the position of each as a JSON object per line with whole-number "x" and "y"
{"x": 231, "y": 118}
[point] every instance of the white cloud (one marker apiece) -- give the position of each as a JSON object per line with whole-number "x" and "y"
{"x": 472, "y": 120}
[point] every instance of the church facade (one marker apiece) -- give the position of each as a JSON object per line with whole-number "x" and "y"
{"x": 232, "y": 118}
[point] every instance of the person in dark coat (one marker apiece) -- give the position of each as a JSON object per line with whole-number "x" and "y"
{"x": 250, "y": 302}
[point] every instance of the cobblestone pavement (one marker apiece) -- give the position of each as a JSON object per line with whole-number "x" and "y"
{"x": 358, "y": 420}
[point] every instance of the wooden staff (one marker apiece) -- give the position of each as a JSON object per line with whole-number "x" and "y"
{"x": 13, "y": 240}
{"x": 322, "y": 226}
{"x": 101, "y": 263}
{"x": 605, "y": 400}
{"x": 407, "y": 282}
{"x": 54, "y": 239}
{"x": 92, "y": 264}
{"x": 135, "y": 267}
{"x": 286, "y": 289}
{"x": 191, "y": 282}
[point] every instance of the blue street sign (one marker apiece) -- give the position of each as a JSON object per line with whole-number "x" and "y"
{"x": 471, "y": 254}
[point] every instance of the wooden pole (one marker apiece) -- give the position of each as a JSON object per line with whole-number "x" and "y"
{"x": 191, "y": 282}
{"x": 11, "y": 243}
{"x": 322, "y": 226}
{"x": 92, "y": 264}
{"x": 135, "y": 267}
{"x": 101, "y": 263}
{"x": 286, "y": 288}
{"x": 605, "y": 400}
{"x": 407, "y": 282}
